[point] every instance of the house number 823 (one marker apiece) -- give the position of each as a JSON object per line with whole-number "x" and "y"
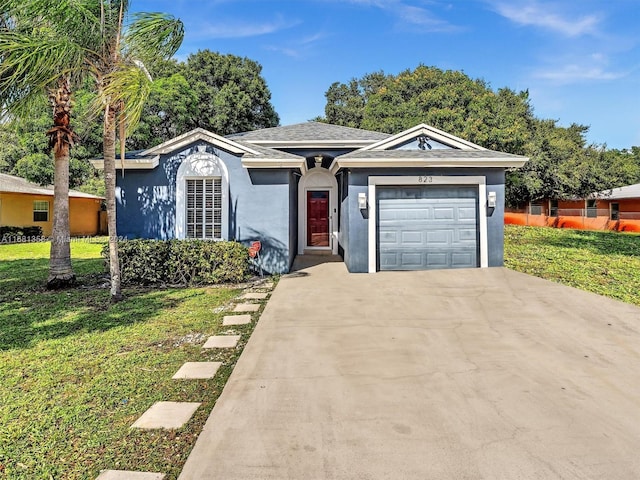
{"x": 425, "y": 179}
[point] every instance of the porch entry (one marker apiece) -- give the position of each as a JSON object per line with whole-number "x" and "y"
{"x": 318, "y": 218}
{"x": 318, "y": 213}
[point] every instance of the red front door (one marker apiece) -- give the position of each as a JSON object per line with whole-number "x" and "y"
{"x": 318, "y": 218}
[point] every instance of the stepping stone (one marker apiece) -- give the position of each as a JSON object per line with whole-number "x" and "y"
{"x": 254, "y": 296}
{"x": 236, "y": 320}
{"x": 222, "y": 341}
{"x": 266, "y": 285}
{"x": 126, "y": 475}
{"x": 247, "y": 307}
{"x": 167, "y": 415}
{"x": 197, "y": 370}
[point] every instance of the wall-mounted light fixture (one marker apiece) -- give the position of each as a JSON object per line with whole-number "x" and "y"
{"x": 362, "y": 201}
{"x": 491, "y": 200}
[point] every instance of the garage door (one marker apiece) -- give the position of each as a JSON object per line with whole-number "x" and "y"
{"x": 423, "y": 227}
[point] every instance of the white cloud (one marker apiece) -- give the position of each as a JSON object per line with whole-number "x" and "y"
{"x": 576, "y": 73}
{"x": 411, "y": 15}
{"x": 545, "y": 15}
{"x": 244, "y": 29}
{"x": 593, "y": 68}
{"x": 304, "y": 45}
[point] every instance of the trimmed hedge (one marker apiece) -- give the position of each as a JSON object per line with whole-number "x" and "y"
{"x": 21, "y": 231}
{"x": 181, "y": 262}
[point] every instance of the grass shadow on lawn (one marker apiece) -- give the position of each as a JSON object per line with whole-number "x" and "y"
{"x": 30, "y": 274}
{"x": 29, "y": 313}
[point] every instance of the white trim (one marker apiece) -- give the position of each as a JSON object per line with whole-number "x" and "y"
{"x": 196, "y": 166}
{"x": 418, "y": 162}
{"x": 318, "y": 179}
{"x": 424, "y": 129}
{"x": 130, "y": 163}
{"x": 199, "y": 134}
{"x": 480, "y": 181}
{"x": 273, "y": 163}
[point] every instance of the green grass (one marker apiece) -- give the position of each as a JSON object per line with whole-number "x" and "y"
{"x": 607, "y": 263}
{"x": 77, "y": 372}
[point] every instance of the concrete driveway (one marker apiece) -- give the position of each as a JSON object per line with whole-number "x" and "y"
{"x": 451, "y": 374}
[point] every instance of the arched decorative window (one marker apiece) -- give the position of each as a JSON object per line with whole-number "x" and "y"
{"x": 202, "y": 197}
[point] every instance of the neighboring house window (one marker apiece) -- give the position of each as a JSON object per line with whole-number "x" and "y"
{"x": 204, "y": 208}
{"x": 615, "y": 211}
{"x": 535, "y": 208}
{"x": 40, "y": 211}
{"x": 592, "y": 208}
{"x": 553, "y": 208}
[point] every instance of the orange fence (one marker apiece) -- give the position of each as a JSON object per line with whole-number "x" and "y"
{"x": 627, "y": 222}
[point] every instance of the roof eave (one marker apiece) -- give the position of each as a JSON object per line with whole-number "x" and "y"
{"x": 148, "y": 163}
{"x": 274, "y": 163}
{"x": 423, "y": 162}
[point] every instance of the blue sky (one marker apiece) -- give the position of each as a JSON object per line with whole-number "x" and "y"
{"x": 579, "y": 59}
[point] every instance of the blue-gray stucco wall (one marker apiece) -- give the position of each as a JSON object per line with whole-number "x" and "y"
{"x": 260, "y": 205}
{"x": 355, "y": 225}
{"x": 293, "y": 217}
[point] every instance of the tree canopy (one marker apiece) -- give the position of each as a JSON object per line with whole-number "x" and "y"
{"x": 221, "y": 93}
{"x": 561, "y": 163}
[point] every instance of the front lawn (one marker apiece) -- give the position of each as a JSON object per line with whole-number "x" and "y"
{"x": 607, "y": 263}
{"x": 77, "y": 372}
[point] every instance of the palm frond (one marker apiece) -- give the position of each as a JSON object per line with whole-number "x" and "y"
{"x": 128, "y": 86}
{"x": 153, "y": 35}
{"x": 31, "y": 63}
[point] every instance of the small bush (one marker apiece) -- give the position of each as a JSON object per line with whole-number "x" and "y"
{"x": 181, "y": 262}
{"x": 34, "y": 231}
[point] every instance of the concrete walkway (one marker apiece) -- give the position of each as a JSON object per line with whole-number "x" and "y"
{"x": 459, "y": 374}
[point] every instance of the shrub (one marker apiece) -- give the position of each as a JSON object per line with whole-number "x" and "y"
{"x": 34, "y": 231}
{"x": 181, "y": 262}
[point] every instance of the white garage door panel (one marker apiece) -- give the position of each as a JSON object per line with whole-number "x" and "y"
{"x": 427, "y": 227}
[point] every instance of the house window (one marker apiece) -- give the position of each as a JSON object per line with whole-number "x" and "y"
{"x": 40, "y": 211}
{"x": 204, "y": 208}
{"x": 592, "y": 208}
{"x": 553, "y": 208}
{"x": 535, "y": 208}
{"x": 615, "y": 211}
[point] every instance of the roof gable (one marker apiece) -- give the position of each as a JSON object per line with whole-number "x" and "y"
{"x": 423, "y": 133}
{"x": 195, "y": 135}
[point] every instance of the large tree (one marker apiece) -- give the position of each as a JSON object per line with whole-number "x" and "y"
{"x": 123, "y": 84}
{"x": 42, "y": 50}
{"x": 44, "y": 47}
{"x": 232, "y": 96}
{"x": 562, "y": 165}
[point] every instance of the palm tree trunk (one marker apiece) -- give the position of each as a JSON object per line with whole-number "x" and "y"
{"x": 61, "y": 138}
{"x": 109, "y": 150}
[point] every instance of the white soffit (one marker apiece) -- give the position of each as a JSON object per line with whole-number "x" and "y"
{"x": 130, "y": 163}
{"x": 339, "y": 163}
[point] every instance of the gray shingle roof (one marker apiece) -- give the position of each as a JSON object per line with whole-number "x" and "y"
{"x": 266, "y": 152}
{"x": 429, "y": 154}
{"x": 309, "y": 131}
{"x": 12, "y": 184}
{"x": 628, "y": 191}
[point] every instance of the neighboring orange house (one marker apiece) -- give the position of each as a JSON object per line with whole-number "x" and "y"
{"x": 617, "y": 209}
{"x": 26, "y": 204}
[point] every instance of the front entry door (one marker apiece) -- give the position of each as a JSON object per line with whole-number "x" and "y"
{"x": 318, "y": 218}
